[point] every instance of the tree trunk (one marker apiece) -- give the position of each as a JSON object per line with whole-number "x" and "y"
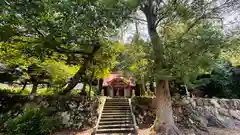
{"x": 90, "y": 85}
{"x": 151, "y": 85}
{"x": 138, "y": 89}
{"x": 164, "y": 122}
{"x": 83, "y": 90}
{"x": 143, "y": 89}
{"x": 24, "y": 86}
{"x": 75, "y": 79}
{"x": 34, "y": 88}
{"x": 100, "y": 85}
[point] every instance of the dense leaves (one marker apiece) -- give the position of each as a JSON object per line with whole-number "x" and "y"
{"x": 33, "y": 121}
{"x": 223, "y": 82}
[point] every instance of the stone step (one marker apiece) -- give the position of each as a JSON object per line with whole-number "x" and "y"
{"x": 113, "y": 108}
{"x": 115, "y": 122}
{"x": 115, "y": 119}
{"x": 117, "y": 134}
{"x": 116, "y": 116}
{"x": 125, "y": 102}
{"x": 116, "y": 103}
{"x": 117, "y": 113}
{"x": 116, "y": 99}
{"x": 116, "y": 130}
{"x": 111, "y": 105}
{"x": 116, "y": 126}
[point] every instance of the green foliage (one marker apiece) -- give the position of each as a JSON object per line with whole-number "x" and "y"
{"x": 41, "y": 91}
{"x": 223, "y": 82}
{"x": 58, "y": 71}
{"x": 136, "y": 59}
{"x": 192, "y": 53}
{"x": 232, "y": 53}
{"x": 15, "y": 91}
{"x": 105, "y": 59}
{"x": 46, "y": 91}
{"x": 65, "y": 26}
{"x": 32, "y": 122}
{"x": 50, "y": 33}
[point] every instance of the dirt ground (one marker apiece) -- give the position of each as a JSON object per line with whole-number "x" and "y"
{"x": 69, "y": 132}
{"x": 213, "y": 131}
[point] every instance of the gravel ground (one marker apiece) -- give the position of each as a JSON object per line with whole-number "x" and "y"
{"x": 217, "y": 131}
{"x": 213, "y": 131}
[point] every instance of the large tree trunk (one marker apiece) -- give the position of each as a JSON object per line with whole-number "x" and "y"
{"x": 164, "y": 122}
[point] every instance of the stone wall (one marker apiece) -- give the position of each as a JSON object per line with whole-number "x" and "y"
{"x": 192, "y": 112}
{"x": 220, "y": 113}
{"x": 76, "y": 112}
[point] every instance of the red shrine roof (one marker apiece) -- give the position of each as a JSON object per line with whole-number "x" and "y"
{"x": 116, "y": 77}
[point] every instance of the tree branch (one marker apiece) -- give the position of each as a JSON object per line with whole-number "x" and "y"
{"x": 135, "y": 18}
{"x": 63, "y": 50}
{"x": 39, "y": 32}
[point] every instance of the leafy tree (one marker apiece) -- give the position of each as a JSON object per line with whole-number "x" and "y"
{"x": 70, "y": 27}
{"x": 51, "y": 70}
{"x": 135, "y": 61}
{"x": 223, "y": 82}
{"x": 183, "y": 36}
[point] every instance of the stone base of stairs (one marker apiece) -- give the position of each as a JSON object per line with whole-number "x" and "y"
{"x": 116, "y": 118}
{"x": 117, "y": 134}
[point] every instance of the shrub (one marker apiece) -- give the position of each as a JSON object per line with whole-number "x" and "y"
{"x": 32, "y": 122}
{"x": 45, "y": 91}
{"x": 15, "y": 91}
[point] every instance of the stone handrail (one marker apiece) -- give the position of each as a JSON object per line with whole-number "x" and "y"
{"x": 133, "y": 116}
{"x": 99, "y": 117}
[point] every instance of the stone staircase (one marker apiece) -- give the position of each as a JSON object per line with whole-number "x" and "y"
{"x": 116, "y": 118}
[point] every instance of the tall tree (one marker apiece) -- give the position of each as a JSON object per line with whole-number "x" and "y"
{"x": 192, "y": 21}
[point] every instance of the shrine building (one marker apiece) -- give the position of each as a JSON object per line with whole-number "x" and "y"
{"x": 116, "y": 85}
